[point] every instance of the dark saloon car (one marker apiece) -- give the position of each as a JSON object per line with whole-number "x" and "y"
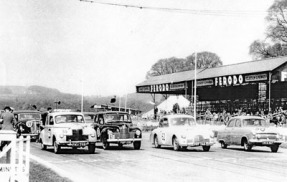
{"x": 27, "y": 123}
{"x": 116, "y": 127}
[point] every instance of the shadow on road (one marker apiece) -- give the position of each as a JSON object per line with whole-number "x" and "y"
{"x": 189, "y": 149}
{"x": 252, "y": 151}
{"x": 82, "y": 151}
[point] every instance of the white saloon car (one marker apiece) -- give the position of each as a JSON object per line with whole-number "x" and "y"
{"x": 181, "y": 131}
{"x": 67, "y": 129}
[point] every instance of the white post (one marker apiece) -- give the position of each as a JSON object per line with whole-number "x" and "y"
{"x": 21, "y": 153}
{"x": 194, "y": 95}
{"x": 126, "y": 102}
{"x": 82, "y": 102}
{"x": 27, "y": 160}
{"x": 119, "y": 103}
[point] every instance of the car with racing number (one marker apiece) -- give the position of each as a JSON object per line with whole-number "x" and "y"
{"x": 181, "y": 131}
{"x": 249, "y": 131}
{"x": 67, "y": 129}
{"x": 27, "y": 123}
{"x": 116, "y": 127}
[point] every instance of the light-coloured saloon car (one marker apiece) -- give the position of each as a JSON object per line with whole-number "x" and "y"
{"x": 181, "y": 131}
{"x": 67, "y": 129}
{"x": 249, "y": 131}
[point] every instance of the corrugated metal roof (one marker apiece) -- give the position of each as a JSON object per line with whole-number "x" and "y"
{"x": 233, "y": 69}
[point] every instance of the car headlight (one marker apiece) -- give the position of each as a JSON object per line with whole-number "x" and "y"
{"x": 92, "y": 134}
{"x": 183, "y": 136}
{"x": 61, "y": 135}
{"x": 138, "y": 132}
{"x": 278, "y": 136}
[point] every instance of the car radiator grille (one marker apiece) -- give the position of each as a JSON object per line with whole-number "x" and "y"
{"x": 267, "y": 135}
{"x": 198, "y": 138}
{"x": 77, "y": 135}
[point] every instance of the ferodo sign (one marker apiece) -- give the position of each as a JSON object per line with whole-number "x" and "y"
{"x": 228, "y": 80}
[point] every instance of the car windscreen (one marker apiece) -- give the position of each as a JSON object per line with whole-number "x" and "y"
{"x": 73, "y": 118}
{"x": 110, "y": 118}
{"x": 24, "y": 116}
{"x": 254, "y": 122}
{"x": 180, "y": 121}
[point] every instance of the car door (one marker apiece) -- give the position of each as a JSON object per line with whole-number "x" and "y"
{"x": 236, "y": 132}
{"x": 163, "y": 124}
{"x": 47, "y": 131}
{"x": 229, "y": 130}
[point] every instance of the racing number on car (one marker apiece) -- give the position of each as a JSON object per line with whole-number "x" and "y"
{"x": 163, "y": 136}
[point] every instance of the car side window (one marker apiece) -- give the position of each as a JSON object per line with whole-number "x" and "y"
{"x": 238, "y": 123}
{"x": 231, "y": 123}
{"x": 165, "y": 122}
{"x": 101, "y": 119}
{"x": 160, "y": 122}
{"x": 51, "y": 120}
{"x": 96, "y": 119}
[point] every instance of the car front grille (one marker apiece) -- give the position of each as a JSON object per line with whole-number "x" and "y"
{"x": 77, "y": 135}
{"x": 267, "y": 136}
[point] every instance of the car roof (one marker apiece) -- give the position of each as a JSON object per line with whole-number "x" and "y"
{"x": 93, "y": 113}
{"x": 177, "y": 116}
{"x": 65, "y": 113}
{"x": 111, "y": 112}
{"x": 247, "y": 117}
{"x": 26, "y": 111}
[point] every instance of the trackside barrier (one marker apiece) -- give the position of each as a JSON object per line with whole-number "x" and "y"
{"x": 17, "y": 164}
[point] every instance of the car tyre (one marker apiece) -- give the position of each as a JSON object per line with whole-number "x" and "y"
{"x": 106, "y": 145}
{"x": 91, "y": 148}
{"x": 206, "y": 148}
{"x": 120, "y": 145}
{"x": 223, "y": 145}
{"x": 156, "y": 145}
{"x": 175, "y": 143}
{"x": 247, "y": 146}
{"x": 274, "y": 148}
{"x": 57, "y": 148}
{"x": 137, "y": 145}
{"x": 43, "y": 146}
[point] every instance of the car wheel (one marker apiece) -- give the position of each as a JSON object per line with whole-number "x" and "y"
{"x": 274, "y": 148}
{"x": 91, "y": 148}
{"x": 184, "y": 148}
{"x": 175, "y": 143}
{"x": 43, "y": 146}
{"x": 156, "y": 145}
{"x": 206, "y": 148}
{"x": 57, "y": 148}
{"x": 223, "y": 145}
{"x": 106, "y": 145}
{"x": 120, "y": 145}
{"x": 247, "y": 147}
{"x": 137, "y": 145}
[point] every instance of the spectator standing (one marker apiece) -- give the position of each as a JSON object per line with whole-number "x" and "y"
{"x": 8, "y": 121}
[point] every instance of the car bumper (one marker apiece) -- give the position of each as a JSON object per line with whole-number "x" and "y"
{"x": 265, "y": 142}
{"x": 74, "y": 143}
{"x": 197, "y": 144}
{"x": 124, "y": 140}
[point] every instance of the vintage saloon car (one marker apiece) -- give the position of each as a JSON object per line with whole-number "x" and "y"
{"x": 27, "y": 123}
{"x": 116, "y": 127}
{"x": 67, "y": 129}
{"x": 249, "y": 131}
{"x": 181, "y": 131}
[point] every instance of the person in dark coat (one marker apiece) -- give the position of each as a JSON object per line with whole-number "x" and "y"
{"x": 8, "y": 121}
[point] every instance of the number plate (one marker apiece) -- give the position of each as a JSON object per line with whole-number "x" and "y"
{"x": 268, "y": 142}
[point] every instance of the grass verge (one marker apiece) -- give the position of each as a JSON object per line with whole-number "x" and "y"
{"x": 40, "y": 173}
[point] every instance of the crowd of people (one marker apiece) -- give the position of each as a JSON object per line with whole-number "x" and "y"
{"x": 278, "y": 116}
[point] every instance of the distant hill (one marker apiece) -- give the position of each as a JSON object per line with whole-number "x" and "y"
{"x": 21, "y": 97}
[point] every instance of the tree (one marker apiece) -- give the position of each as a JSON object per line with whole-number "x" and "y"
{"x": 276, "y": 33}
{"x": 204, "y": 60}
{"x": 173, "y": 64}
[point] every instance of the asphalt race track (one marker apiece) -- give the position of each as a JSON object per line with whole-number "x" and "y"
{"x": 164, "y": 164}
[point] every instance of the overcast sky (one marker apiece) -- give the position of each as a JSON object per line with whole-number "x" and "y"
{"x": 64, "y": 43}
